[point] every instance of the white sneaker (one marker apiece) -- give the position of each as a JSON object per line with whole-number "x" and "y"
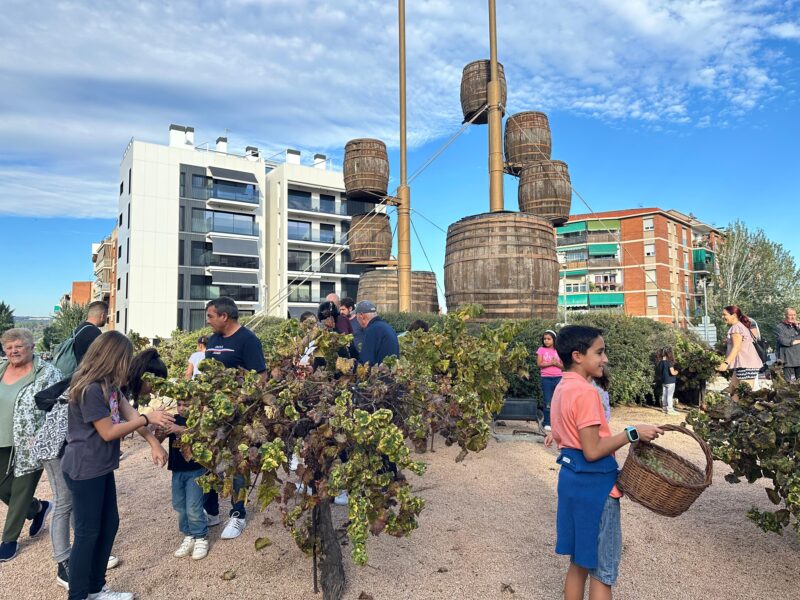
{"x": 200, "y": 549}
{"x": 234, "y": 527}
{"x": 113, "y": 561}
{"x": 186, "y": 547}
{"x": 341, "y": 499}
{"x": 302, "y": 489}
{"x": 212, "y": 520}
{"x": 108, "y": 594}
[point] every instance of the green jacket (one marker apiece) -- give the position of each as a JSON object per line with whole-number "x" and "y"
{"x": 28, "y": 419}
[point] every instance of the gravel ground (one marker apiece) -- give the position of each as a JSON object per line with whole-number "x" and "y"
{"x": 489, "y": 523}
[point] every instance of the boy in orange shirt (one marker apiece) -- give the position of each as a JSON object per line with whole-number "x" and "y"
{"x": 588, "y": 523}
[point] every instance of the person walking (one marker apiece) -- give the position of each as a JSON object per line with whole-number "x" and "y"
{"x": 667, "y": 373}
{"x": 788, "y": 335}
{"x": 235, "y": 347}
{"x": 99, "y": 416}
{"x": 550, "y": 371}
{"x": 22, "y": 375}
{"x": 380, "y": 340}
{"x": 741, "y": 357}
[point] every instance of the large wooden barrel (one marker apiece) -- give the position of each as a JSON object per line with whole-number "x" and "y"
{"x": 545, "y": 190}
{"x": 506, "y": 262}
{"x": 474, "y": 94}
{"x": 370, "y": 237}
{"x": 366, "y": 169}
{"x": 526, "y": 140}
{"x": 381, "y": 288}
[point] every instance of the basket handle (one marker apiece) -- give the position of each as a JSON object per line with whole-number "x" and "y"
{"x": 703, "y": 446}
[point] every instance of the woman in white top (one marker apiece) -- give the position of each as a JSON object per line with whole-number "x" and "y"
{"x": 194, "y": 359}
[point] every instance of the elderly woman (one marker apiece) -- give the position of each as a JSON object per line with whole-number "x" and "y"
{"x": 22, "y": 375}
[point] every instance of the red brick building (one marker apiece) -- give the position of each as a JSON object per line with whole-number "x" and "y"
{"x": 644, "y": 262}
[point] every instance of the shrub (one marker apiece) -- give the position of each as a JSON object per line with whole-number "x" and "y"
{"x": 400, "y": 321}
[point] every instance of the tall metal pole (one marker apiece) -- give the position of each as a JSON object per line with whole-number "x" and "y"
{"x": 705, "y": 310}
{"x": 403, "y": 191}
{"x": 495, "y": 120}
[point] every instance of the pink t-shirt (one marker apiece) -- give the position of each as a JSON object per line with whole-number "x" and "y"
{"x": 576, "y": 405}
{"x": 548, "y": 354}
{"x": 747, "y": 357}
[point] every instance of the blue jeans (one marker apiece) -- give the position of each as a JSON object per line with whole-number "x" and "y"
{"x": 609, "y": 544}
{"x": 187, "y": 499}
{"x": 548, "y": 387}
{"x": 211, "y": 500}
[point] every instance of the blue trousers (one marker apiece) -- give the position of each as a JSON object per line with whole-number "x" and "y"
{"x": 187, "y": 500}
{"x": 548, "y": 387}
{"x": 211, "y": 500}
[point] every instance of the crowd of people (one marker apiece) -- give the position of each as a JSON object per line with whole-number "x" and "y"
{"x": 68, "y": 423}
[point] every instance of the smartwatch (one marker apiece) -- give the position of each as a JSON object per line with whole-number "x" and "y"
{"x": 631, "y": 434}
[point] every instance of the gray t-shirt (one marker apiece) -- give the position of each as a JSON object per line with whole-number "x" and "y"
{"x": 87, "y": 455}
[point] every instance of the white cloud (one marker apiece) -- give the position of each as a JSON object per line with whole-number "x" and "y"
{"x": 275, "y": 73}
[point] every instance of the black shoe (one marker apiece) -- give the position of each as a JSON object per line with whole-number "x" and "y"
{"x": 39, "y": 520}
{"x": 62, "y": 577}
{"x": 8, "y": 550}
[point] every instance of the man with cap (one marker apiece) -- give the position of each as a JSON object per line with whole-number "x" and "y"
{"x": 380, "y": 340}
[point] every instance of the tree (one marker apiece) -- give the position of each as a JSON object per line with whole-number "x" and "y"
{"x": 6, "y": 317}
{"x": 64, "y": 323}
{"x": 757, "y": 274}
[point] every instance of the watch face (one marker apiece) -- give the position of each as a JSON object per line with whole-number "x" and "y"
{"x": 633, "y": 435}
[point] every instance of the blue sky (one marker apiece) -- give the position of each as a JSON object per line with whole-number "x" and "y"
{"x": 673, "y": 103}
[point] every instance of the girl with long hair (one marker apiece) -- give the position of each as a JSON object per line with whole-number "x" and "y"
{"x": 741, "y": 357}
{"x": 99, "y": 416}
{"x": 550, "y": 371}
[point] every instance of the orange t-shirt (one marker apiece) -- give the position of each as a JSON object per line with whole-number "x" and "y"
{"x": 576, "y": 405}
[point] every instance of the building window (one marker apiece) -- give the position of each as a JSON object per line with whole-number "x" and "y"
{"x": 575, "y": 255}
{"x": 180, "y": 319}
{"x": 125, "y": 328}
{"x": 181, "y": 256}
{"x": 649, "y": 249}
{"x": 327, "y": 203}
{"x": 180, "y": 287}
{"x": 684, "y": 235}
{"x": 652, "y": 301}
{"x": 325, "y": 288}
{"x": 130, "y": 179}
{"x": 648, "y": 224}
{"x": 299, "y": 260}
{"x": 205, "y": 221}
{"x": 299, "y": 200}
{"x": 119, "y": 252}
{"x": 182, "y": 219}
{"x": 299, "y": 230}
{"x": 198, "y": 182}
{"x": 327, "y": 233}
{"x": 350, "y": 289}
{"x": 300, "y": 292}
{"x": 129, "y": 215}
{"x": 119, "y": 283}
{"x": 197, "y": 319}
{"x": 685, "y": 260}
{"x": 650, "y": 276}
{"x": 201, "y": 288}
{"x": 117, "y": 321}
{"x": 572, "y": 288}
{"x": 126, "y": 286}
{"x": 121, "y": 187}
{"x": 128, "y": 250}
{"x": 183, "y": 185}
{"x": 327, "y": 263}
{"x": 120, "y": 219}
{"x": 203, "y": 256}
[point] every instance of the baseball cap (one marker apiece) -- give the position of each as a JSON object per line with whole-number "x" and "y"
{"x": 365, "y": 306}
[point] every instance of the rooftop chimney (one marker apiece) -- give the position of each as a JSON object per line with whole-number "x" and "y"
{"x": 222, "y": 144}
{"x": 177, "y": 136}
{"x": 320, "y": 161}
{"x": 292, "y": 156}
{"x": 189, "y": 136}
{"x": 251, "y": 152}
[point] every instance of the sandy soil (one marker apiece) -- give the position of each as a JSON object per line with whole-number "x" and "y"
{"x": 489, "y": 522}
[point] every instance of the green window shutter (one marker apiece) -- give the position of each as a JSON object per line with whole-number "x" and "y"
{"x": 607, "y": 299}
{"x": 604, "y": 225}
{"x": 602, "y": 249}
{"x": 571, "y": 227}
{"x": 577, "y": 272}
{"x": 574, "y": 299}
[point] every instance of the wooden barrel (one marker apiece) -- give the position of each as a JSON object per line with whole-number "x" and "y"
{"x": 370, "y": 237}
{"x": 474, "y": 94}
{"x": 545, "y": 190}
{"x": 506, "y": 262}
{"x": 366, "y": 169}
{"x": 526, "y": 140}
{"x": 381, "y": 288}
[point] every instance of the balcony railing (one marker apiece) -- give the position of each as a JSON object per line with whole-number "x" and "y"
{"x": 603, "y": 262}
{"x": 602, "y": 236}
{"x": 223, "y": 192}
{"x": 321, "y": 237}
{"x": 224, "y": 223}
{"x": 305, "y": 204}
{"x": 209, "y": 259}
{"x": 576, "y": 264}
{"x": 570, "y": 240}
{"x": 212, "y": 292}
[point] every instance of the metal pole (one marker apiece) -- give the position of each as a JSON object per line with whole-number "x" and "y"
{"x": 705, "y": 310}
{"x": 495, "y": 119}
{"x": 403, "y": 191}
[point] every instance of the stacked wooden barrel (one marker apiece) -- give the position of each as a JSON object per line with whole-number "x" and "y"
{"x": 381, "y": 287}
{"x": 370, "y": 238}
{"x": 366, "y": 169}
{"x": 474, "y": 95}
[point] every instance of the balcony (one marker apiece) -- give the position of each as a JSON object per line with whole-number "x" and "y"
{"x": 602, "y": 236}
{"x": 228, "y": 195}
{"x": 306, "y": 205}
{"x": 211, "y": 222}
{"x": 320, "y": 237}
{"x": 212, "y": 292}
{"x": 209, "y": 259}
{"x": 576, "y": 264}
{"x": 603, "y": 262}
{"x": 570, "y": 240}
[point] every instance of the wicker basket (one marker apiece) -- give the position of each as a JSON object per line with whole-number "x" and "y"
{"x": 669, "y": 493}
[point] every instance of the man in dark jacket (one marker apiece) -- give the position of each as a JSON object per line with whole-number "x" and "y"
{"x": 380, "y": 340}
{"x": 89, "y": 330}
{"x": 788, "y": 334}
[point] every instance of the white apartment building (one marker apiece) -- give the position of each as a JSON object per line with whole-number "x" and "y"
{"x": 196, "y": 223}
